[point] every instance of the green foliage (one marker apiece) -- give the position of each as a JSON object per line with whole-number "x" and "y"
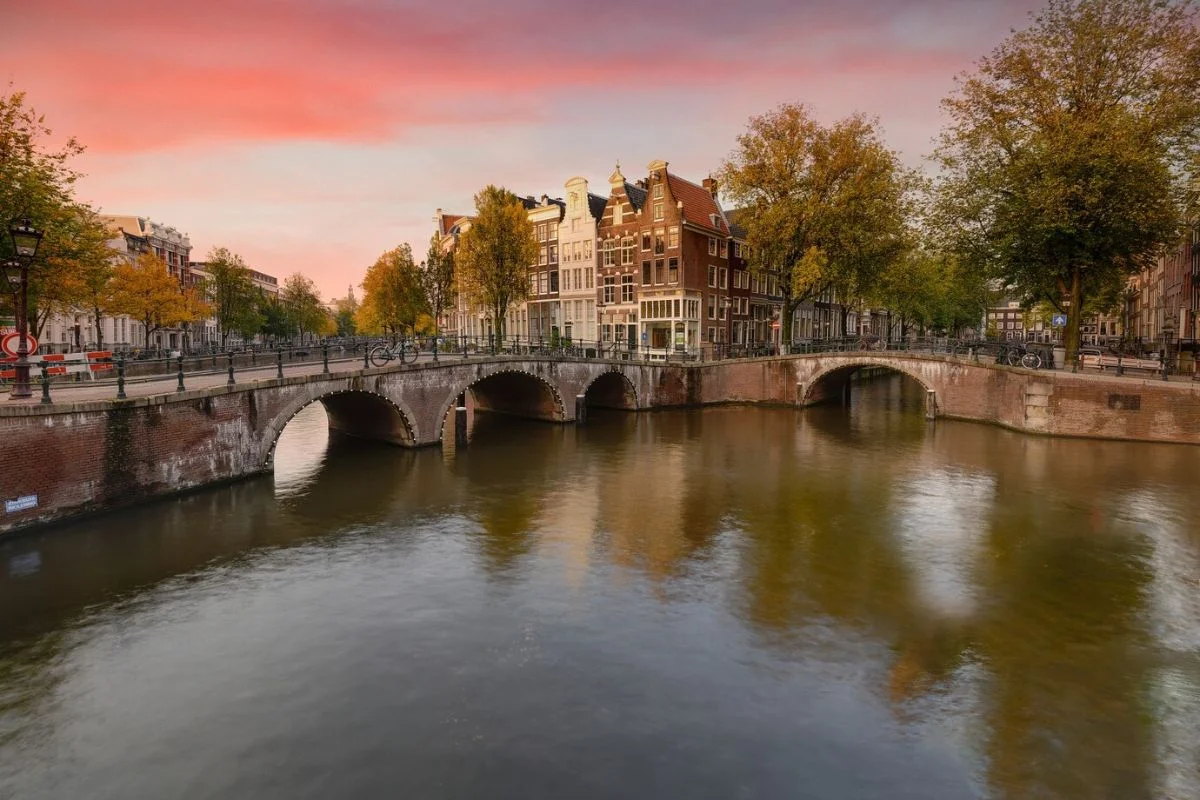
{"x": 494, "y": 254}
{"x": 233, "y": 294}
{"x": 301, "y": 306}
{"x": 1065, "y": 162}
{"x": 828, "y": 207}
{"x": 437, "y": 279}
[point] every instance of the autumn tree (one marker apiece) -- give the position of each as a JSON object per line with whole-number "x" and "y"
{"x": 1066, "y": 159}
{"x": 827, "y": 207}
{"x": 232, "y": 293}
{"x": 494, "y": 254}
{"x": 302, "y": 308}
{"x": 437, "y": 280}
{"x": 146, "y": 291}
{"x": 392, "y": 294}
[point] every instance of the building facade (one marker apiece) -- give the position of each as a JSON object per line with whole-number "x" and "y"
{"x": 578, "y": 259}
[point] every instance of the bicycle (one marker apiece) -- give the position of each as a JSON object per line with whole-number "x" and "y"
{"x": 872, "y": 343}
{"x": 403, "y": 352}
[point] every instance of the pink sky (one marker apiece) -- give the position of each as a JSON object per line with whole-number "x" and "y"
{"x": 312, "y": 136}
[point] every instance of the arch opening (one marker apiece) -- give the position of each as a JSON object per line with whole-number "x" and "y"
{"x": 611, "y": 390}
{"x": 353, "y": 413}
{"x": 904, "y": 390}
{"x": 517, "y": 394}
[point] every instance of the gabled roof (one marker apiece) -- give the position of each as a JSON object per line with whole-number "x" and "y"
{"x": 700, "y": 208}
{"x": 737, "y": 218}
{"x": 596, "y": 205}
{"x": 447, "y": 222}
{"x": 636, "y": 195}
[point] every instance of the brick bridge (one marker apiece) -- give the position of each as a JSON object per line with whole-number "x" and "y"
{"x": 92, "y": 454}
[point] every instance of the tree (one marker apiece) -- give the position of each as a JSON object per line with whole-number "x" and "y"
{"x": 437, "y": 280}
{"x": 345, "y": 310}
{"x": 37, "y": 182}
{"x": 146, "y": 291}
{"x": 233, "y": 294}
{"x": 274, "y": 316}
{"x": 1065, "y": 161}
{"x": 302, "y": 309}
{"x": 495, "y": 253}
{"x": 827, "y": 207}
{"x": 392, "y": 296}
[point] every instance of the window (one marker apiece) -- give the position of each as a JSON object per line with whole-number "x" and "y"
{"x": 658, "y": 210}
{"x": 712, "y": 246}
{"x": 541, "y": 233}
{"x": 673, "y": 237}
{"x": 673, "y": 270}
{"x": 610, "y": 291}
{"x": 724, "y": 306}
{"x": 617, "y": 215}
{"x": 712, "y": 276}
{"x": 724, "y": 278}
{"x": 587, "y": 249}
{"x": 553, "y": 257}
{"x": 552, "y": 231}
{"x": 610, "y": 252}
{"x": 712, "y": 306}
{"x": 554, "y": 281}
{"x": 589, "y": 277}
{"x": 627, "y": 251}
{"x": 543, "y": 283}
{"x": 712, "y": 334}
{"x": 658, "y": 191}
{"x": 658, "y": 241}
{"x": 724, "y": 249}
{"x": 737, "y": 249}
{"x": 645, "y": 273}
{"x": 533, "y": 284}
{"x": 646, "y": 240}
{"x": 660, "y": 275}
{"x": 542, "y": 256}
{"x": 754, "y": 284}
{"x": 626, "y": 288}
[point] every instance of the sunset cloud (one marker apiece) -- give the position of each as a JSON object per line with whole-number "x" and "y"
{"x": 216, "y": 110}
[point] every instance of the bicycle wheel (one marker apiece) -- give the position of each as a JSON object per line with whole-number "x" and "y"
{"x": 380, "y": 355}
{"x": 1031, "y": 361}
{"x": 1013, "y": 358}
{"x": 408, "y": 354}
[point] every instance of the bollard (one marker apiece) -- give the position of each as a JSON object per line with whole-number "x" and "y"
{"x": 230, "y": 382}
{"x": 1120, "y": 366}
{"x": 179, "y": 374}
{"x": 45, "y": 384}
{"x": 460, "y": 427}
{"x": 121, "y": 377}
{"x": 580, "y": 409}
{"x": 279, "y": 363}
{"x": 463, "y": 340}
{"x": 324, "y": 358}
{"x": 435, "y": 344}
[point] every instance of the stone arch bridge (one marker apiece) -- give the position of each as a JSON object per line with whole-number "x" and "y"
{"x": 78, "y": 457}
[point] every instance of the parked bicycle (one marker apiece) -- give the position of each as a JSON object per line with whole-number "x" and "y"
{"x": 872, "y": 343}
{"x": 403, "y": 351}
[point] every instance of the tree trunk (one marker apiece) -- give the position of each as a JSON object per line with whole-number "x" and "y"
{"x": 787, "y": 315}
{"x": 1074, "y": 316}
{"x": 99, "y": 328}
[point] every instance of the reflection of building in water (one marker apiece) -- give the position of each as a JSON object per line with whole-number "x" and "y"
{"x": 643, "y": 512}
{"x": 569, "y": 522}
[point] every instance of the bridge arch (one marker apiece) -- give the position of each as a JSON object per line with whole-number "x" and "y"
{"x": 354, "y": 412}
{"x": 828, "y": 382}
{"x": 511, "y": 390}
{"x": 611, "y": 389}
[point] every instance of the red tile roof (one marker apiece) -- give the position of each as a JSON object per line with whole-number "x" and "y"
{"x": 449, "y": 221}
{"x": 698, "y": 204}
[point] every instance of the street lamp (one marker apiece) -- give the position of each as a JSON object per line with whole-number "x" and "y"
{"x": 26, "y": 239}
{"x": 728, "y": 324}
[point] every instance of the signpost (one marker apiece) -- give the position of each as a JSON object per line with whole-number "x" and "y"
{"x": 10, "y": 342}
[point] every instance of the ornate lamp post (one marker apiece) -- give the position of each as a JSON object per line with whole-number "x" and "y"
{"x": 26, "y": 239}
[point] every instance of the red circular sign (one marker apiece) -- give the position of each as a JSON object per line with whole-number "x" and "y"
{"x": 11, "y": 341}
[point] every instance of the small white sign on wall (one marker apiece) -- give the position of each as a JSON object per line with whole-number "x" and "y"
{"x": 20, "y": 504}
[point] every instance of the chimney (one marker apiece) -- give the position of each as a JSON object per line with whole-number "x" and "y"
{"x": 711, "y": 185}
{"x": 641, "y": 183}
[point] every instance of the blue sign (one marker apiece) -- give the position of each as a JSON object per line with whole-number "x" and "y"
{"x": 1059, "y": 320}
{"x": 20, "y": 504}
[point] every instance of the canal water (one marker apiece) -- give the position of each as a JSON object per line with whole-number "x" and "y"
{"x": 721, "y": 603}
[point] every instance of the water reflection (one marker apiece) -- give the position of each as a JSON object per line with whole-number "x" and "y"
{"x": 721, "y": 601}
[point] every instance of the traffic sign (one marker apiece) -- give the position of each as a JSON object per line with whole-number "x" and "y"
{"x": 10, "y": 343}
{"x": 1059, "y": 321}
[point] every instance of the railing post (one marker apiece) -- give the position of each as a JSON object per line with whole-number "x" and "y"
{"x": 462, "y": 338}
{"x": 45, "y": 383}
{"x": 121, "y": 377}
{"x": 435, "y": 344}
{"x": 179, "y": 374}
{"x": 230, "y": 382}
{"x": 325, "y": 357}
{"x": 279, "y": 363}
{"x": 366, "y": 355}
